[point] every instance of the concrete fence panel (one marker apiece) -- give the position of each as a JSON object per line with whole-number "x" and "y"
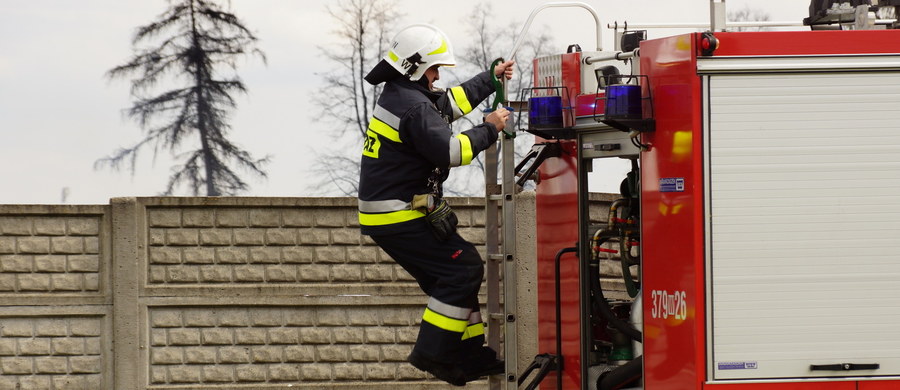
{"x": 217, "y": 293}
{"x": 55, "y": 302}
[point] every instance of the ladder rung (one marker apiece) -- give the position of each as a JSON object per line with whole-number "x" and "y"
{"x": 496, "y": 316}
{"x": 495, "y": 197}
{"x": 496, "y": 257}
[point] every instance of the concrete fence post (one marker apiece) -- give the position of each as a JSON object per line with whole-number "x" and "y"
{"x": 126, "y": 246}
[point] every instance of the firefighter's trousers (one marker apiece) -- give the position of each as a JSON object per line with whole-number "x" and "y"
{"x": 450, "y": 272}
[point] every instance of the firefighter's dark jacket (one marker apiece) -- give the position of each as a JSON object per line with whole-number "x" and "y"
{"x": 408, "y": 137}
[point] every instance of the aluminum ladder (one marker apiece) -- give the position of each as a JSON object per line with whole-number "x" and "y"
{"x": 500, "y": 241}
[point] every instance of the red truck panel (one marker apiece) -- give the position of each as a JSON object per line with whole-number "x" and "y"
{"x": 673, "y": 221}
{"x": 787, "y": 386}
{"x": 557, "y": 228}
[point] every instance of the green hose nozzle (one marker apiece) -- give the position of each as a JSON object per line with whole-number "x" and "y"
{"x": 500, "y": 94}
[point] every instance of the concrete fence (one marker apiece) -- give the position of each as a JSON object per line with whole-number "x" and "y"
{"x": 216, "y": 293}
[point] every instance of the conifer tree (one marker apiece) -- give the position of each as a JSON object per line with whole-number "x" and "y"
{"x": 190, "y": 45}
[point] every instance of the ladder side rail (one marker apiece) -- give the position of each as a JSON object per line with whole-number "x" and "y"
{"x": 510, "y": 288}
{"x": 492, "y": 249}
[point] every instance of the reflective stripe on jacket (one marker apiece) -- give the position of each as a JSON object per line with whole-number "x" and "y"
{"x": 407, "y": 138}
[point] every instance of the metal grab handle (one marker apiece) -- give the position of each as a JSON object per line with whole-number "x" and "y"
{"x": 544, "y": 363}
{"x": 532, "y": 154}
{"x": 844, "y": 367}
{"x": 521, "y": 37}
{"x": 539, "y": 152}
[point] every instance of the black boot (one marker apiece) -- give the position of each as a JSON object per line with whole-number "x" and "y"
{"x": 483, "y": 363}
{"x": 449, "y": 373}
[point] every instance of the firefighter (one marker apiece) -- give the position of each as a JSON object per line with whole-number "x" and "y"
{"x": 408, "y": 151}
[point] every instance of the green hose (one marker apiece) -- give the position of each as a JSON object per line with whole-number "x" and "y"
{"x": 499, "y": 95}
{"x": 498, "y": 85}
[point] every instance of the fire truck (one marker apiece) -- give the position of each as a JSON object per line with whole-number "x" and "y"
{"x": 758, "y": 230}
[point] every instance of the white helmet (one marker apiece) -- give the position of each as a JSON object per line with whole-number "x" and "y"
{"x": 414, "y": 49}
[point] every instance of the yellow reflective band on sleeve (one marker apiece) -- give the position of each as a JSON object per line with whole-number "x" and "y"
{"x": 459, "y": 96}
{"x": 442, "y": 49}
{"x": 444, "y": 322}
{"x": 383, "y": 129}
{"x": 473, "y": 330}
{"x": 465, "y": 149}
{"x": 389, "y": 218}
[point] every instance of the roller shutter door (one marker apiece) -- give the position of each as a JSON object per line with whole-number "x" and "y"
{"x": 803, "y": 200}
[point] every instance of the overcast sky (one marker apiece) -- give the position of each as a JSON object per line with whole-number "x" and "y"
{"x": 58, "y": 114}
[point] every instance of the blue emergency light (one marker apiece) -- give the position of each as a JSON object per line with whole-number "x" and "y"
{"x": 623, "y": 101}
{"x": 545, "y": 112}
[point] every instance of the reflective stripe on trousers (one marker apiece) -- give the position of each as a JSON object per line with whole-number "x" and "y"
{"x": 475, "y": 327}
{"x": 386, "y": 212}
{"x": 389, "y": 218}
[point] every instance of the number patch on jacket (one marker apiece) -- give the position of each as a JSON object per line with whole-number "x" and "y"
{"x": 371, "y": 144}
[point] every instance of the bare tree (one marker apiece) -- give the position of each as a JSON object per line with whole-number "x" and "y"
{"x": 488, "y": 42}
{"x": 340, "y": 170}
{"x": 203, "y": 39}
{"x": 748, "y": 14}
{"x": 346, "y": 100}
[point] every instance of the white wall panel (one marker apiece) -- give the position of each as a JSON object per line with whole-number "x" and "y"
{"x": 804, "y": 201}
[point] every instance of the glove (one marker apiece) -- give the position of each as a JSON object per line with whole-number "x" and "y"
{"x": 442, "y": 220}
